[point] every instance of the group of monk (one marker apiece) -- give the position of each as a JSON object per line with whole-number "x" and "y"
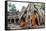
{"x": 34, "y": 21}
{"x": 23, "y": 22}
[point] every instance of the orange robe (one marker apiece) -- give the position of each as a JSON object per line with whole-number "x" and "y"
{"x": 33, "y": 20}
{"x": 23, "y": 24}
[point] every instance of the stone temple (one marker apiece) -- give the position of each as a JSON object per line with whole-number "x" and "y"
{"x": 27, "y": 13}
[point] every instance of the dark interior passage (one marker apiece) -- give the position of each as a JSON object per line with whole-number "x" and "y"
{"x": 8, "y": 20}
{"x": 17, "y": 20}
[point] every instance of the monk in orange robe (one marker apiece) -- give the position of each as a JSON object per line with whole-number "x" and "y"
{"x": 23, "y": 22}
{"x": 33, "y": 20}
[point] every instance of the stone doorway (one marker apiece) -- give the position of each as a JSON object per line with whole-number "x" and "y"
{"x": 12, "y": 20}
{"x": 17, "y": 19}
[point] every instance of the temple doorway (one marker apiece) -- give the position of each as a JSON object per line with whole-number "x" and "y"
{"x": 12, "y": 20}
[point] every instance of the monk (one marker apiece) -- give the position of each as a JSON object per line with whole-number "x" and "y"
{"x": 33, "y": 20}
{"x": 23, "y": 22}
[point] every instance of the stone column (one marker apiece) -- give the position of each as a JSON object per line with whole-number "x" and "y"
{"x": 10, "y": 20}
{"x": 30, "y": 22}
{"x": 41, "y": 19}
{"x": 38, "y": 18}
{"x": 14, "y": 20}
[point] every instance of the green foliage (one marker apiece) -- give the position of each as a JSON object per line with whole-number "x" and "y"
{"x": 9, "y": 5}
{"x": 12, "y": 7}
{"x": 40, "y": 5}
{"x": 43, "y": 6}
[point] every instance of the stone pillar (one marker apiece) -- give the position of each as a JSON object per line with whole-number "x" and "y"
{"x": 10, "y": 20}
{"x": 38, "y": 18}
{"x": 41, "y": 19}
{"x": 14, "y": 20}
{"x": 30, "y": 22}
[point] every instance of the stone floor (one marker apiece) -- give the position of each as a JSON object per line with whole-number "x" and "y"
{"x": 15, "y": 26}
